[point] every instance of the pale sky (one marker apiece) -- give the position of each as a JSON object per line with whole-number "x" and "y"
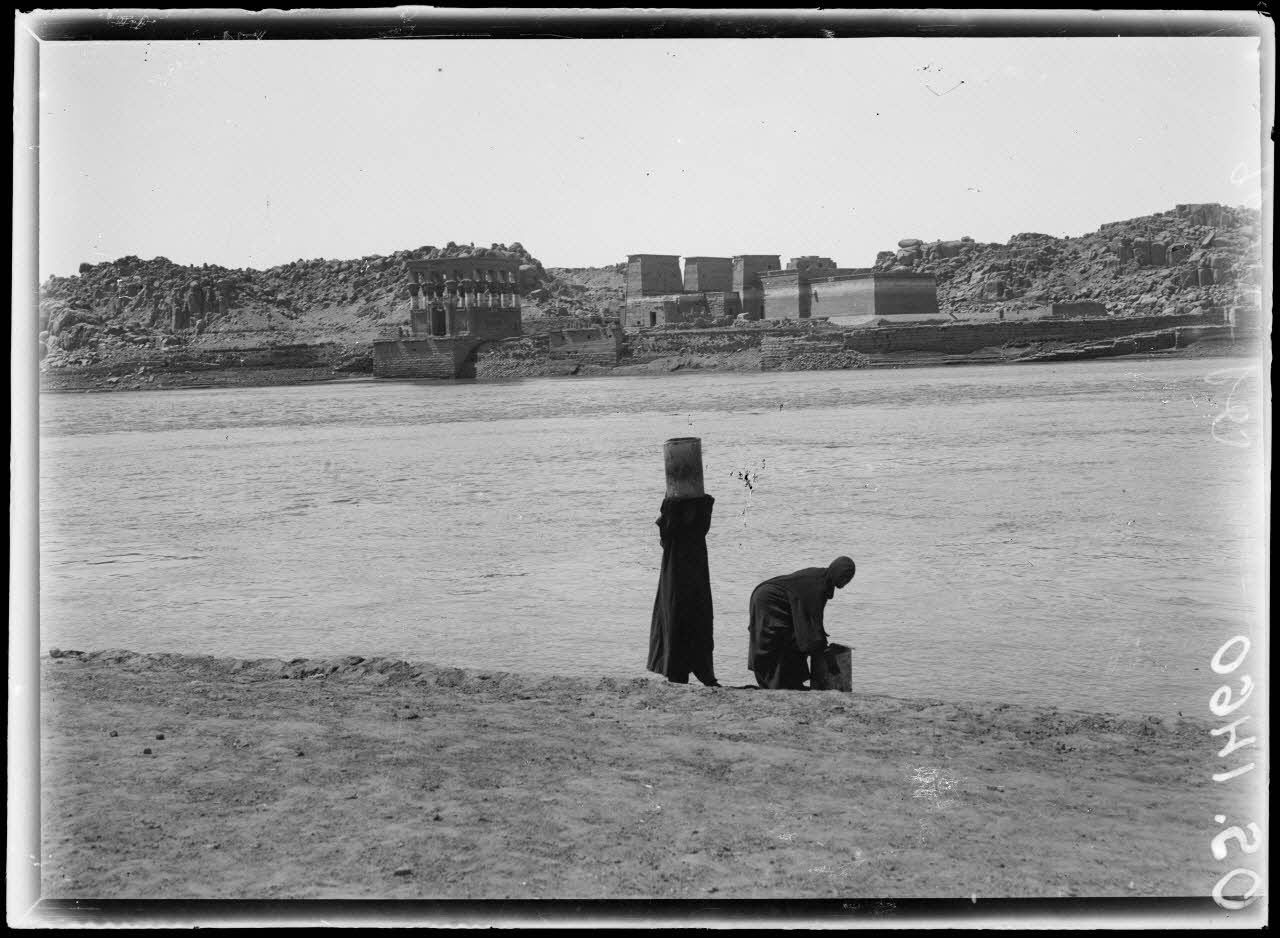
{"x": 256, "y": 153}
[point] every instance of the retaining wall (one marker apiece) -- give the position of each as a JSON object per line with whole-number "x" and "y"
{"x": 586, "y": 346}
{"x": 960, "y": 338}
{"x": 440, "y": 357}
{"x": 650, "y": 345}
{"x": 807, "y": 353}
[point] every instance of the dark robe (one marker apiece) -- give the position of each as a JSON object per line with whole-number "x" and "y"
{"x": 680, "y": 635}
{"x": 786, "y": 627}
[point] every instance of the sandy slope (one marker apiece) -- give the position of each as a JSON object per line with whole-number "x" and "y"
{"x": 376, "y": 778}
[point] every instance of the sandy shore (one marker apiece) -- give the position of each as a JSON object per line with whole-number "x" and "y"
{"x": 166, "y": 776}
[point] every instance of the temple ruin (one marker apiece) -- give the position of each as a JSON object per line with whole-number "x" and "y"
{"x": 658, "y": 295}
{"x": 465, "y": 296}
{"x": 756, "y": 286}
{"x": 456, "y": 305}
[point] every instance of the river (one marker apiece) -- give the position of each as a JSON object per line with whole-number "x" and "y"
{"x": 1081, "y": 535}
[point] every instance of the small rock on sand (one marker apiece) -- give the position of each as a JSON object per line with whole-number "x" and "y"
{"x": 146, "y": 752}
{"x": 159, "y": 735}
{"x": 404, "y": 871}
{"x": 113, "y": 733}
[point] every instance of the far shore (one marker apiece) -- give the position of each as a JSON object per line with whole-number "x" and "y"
{"x": 96, "y": 378}
{"x": 167, "y": 776}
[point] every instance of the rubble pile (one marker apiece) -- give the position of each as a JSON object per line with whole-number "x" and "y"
{"x": 1194, "y": 258}
{"x": 579, "y": 292}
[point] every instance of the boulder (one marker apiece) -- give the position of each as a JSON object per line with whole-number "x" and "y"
{"x": 80, "y": 335}
{"x": 67, "y": 319}
{"x": 910, "y": 243}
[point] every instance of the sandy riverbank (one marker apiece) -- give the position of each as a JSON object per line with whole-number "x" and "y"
{"x": 79, "y": 381}
{"x": 381, "y": 779}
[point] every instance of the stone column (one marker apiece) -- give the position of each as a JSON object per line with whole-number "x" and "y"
{"x": 450, "y": 300}
{"x": 414, "y": 287}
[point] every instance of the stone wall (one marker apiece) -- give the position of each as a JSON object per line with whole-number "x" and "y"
{"x": 961, "y": 338}
{"x": 1078, "y": 309}
{"x": 812, "y": 263}
{"x": 491, "y": 322}
{"x": 785, "y": 295}
{"x": 653, "y": 274}
{"x": 724, "y": 305}
{"x": 600, "y": 346}
{"x": 746, "y": 281}
{"x": 913, "y": 296}
{"x": 1017, "y": 313}
{"x": 880, "y": 294}
{"x": 440, "y": 357}
{"x": 708, "y": 274}
{"x": 678, "y": 308}
{"x": 820, "y": 352}
{"x": 846, "y": 298}
{"x": 648, "y": 346}
{"x": 530, "y": 327}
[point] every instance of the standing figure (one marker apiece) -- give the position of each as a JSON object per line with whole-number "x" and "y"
{"x": 786, "y": 623}
{"x": 680, "y": 639}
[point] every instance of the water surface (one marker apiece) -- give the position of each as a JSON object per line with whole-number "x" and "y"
{"x": 1083, "y": 535}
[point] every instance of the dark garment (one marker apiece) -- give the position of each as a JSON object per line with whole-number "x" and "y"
{"x": 786, "y": 627}
{"x": 680, "y": 636}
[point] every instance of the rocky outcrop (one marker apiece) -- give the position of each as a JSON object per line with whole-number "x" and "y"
{"x": 109, "y": 311}
{"x": 1196, "y": 256}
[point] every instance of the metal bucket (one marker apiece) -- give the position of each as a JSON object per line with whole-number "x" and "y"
{"x": 832, "y": 669}
{"x": 683, "y": 458}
